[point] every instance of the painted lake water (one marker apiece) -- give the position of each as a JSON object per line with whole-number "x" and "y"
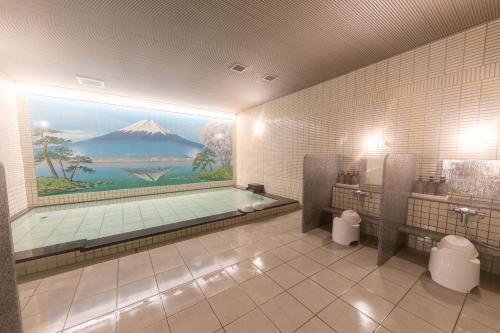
{"x": 114, "y": 176}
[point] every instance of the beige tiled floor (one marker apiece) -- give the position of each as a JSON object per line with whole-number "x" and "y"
{"x": 262, "y": 277}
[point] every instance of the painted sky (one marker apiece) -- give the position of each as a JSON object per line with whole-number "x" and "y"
{"x": 83, "y": 120}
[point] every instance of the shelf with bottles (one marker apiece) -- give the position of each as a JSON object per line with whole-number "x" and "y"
{"x": 431, "y": 189}
{"x": 350, "y": 178}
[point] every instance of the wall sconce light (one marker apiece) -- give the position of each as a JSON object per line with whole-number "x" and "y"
{"x": 373, "y": 142}
{"x": 477, "y": 137}
{"x": 389, "y": 145}
{"x": 258, "y": 128}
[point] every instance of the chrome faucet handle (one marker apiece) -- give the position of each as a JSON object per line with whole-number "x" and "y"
{"x": 480, "y": 215}
{"x": 362, "y": 193}
{"x": 467, "y": 211}
{"x": 461, "y": 210}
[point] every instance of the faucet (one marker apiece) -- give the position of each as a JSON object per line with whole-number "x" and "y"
{"x": 359, "y": 194}
{"x": 465, "y": 212}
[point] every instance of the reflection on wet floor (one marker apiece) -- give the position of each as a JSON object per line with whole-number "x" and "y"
{"x": 261, "y": 277}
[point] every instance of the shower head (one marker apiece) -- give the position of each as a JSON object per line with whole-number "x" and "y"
{"x": 389, "y": 145}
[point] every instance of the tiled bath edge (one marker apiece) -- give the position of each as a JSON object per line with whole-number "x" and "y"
{"x": 73, "y": 259}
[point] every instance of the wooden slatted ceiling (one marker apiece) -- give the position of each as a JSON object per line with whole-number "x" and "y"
{"x": 180, "y": 50}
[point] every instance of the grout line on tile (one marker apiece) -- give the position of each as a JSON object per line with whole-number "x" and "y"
{"x": 238, "y": 284}
{"x": 159, "y": 294}
{"x": 336, "y": 297}
{"x": 460, "y": 312}
{"x": 72, "y": 299}
{"x": 406, "y": 293}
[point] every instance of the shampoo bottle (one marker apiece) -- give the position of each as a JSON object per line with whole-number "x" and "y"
{"x": 341, "y": 178}
{"x": 348, "y": 178}
{"x": 418, "y": 187}
{"x": 355, "y": 178}
{"x": 430, "y": 186}
{"x": 442, "y": 187}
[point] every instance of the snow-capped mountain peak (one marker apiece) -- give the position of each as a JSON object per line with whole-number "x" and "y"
{"x": 145, "y": 126}
{"x": 145, "y": 130}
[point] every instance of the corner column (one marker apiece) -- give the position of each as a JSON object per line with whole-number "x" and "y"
{"x": 10, "y": 314}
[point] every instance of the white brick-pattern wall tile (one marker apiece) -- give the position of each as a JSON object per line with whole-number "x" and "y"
{"x": 420, "y": 101}
{"x": 474, "y": 46}
{"x": 492, "y": 47}
{"x": 10, "y": 148}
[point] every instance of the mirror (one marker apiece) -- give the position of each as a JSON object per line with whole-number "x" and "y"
{"x": 372, "y": 171}
{"x": 479, "y": 178}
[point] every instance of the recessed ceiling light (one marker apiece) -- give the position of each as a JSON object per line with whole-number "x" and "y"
{"x": 239, "y": 68}
{"x": 90, "y": 82}
{"x": 269, "y": 77}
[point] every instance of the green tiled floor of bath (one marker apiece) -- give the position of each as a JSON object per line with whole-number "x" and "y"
{"x": 59, "y": 224}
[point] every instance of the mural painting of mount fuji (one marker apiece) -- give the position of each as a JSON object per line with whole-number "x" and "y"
{"x": 85, "y": 147}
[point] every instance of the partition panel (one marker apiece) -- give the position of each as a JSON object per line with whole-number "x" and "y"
{"x": 399, "y": 175}
{"x": 320, "y": 175}
{"x": 10, "y": 315}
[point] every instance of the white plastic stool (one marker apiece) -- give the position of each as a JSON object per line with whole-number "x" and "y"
{"x": 351, "y": 217}
{"x": 454, "y": 264}
{"x": 344, "y": 232}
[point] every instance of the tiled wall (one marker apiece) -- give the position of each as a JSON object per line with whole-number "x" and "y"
{"x": 435, "y": 216}
{"x": 344, "y": 198}
{"x": 29, "y": 172}
{"x": 421, "y": 101}
{"x": 10, "y": 151}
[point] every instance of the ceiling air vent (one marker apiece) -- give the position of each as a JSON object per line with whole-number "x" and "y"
{"x": 90, "y": 82}
{"x": 269, "y": 77}
{"x": 239, "y": 68}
